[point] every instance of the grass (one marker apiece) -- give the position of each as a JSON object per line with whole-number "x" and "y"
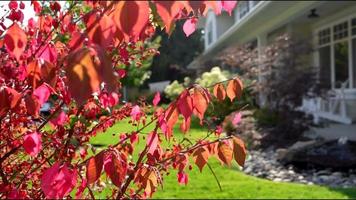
{"x": 235, "y": 184}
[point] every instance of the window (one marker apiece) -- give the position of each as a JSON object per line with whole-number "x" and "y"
{"x": 210, "y": 33}
{"x": 354, "y": 61}
{"x": 341, "y": 63}
{"x": 353, "y": 23}
{"x": 337, "y": 54}
{"x": 324, "y": 36}
{"x": 340, "y": 31}
{"x": 325, "y": 66}
{"x": 243, "y": 8}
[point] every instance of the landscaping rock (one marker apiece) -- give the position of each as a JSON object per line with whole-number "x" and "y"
{"x": 327, "y": 154}
{"x": 265, "y": 165}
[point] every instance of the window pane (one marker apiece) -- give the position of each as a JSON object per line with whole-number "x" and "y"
{"x": 340, "y": 31}
{"x": 341, "y": 63}
{"x": 244, "y": 8}
{"x": 325, "y": 67}
{"x": 354, "y": 60}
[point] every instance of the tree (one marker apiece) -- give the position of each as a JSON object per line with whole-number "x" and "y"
{"x": 74, "y": 55}
{"x": 171, "y": 63}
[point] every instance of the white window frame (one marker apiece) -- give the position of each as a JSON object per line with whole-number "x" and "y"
{"x": 210, "y": 27}
{"x": 252, "y": 6}
{"x": 349, "y": 38}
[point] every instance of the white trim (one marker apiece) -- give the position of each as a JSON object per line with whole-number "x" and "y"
{"x": 211, "y": 19}
{"x": 237, "y": 25}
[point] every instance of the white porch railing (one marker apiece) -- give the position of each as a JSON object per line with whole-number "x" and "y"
{"x": 333, "y": 107}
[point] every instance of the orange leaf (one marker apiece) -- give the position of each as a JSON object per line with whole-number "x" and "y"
{"x": 101, "y": 29}
{"x": 234, "y": 89}
{"x": 116, "y": 169}
{"x": 87, "y": 69}
{"x": 225, "y": 153}
{"x": 131, "y": 18}
{"x": 94, "y": 167}
{"x": 40, "y": 72}
{"x": 171, "y": 118}
{"x": 15, "y": 41}
{"x": 185, "y": 104}
{"x": 32, "y": 105}
{"x": 201, "y": 102}
{"x": 239, "y": 151}
{"x": 200, "y": 157}
{"x": 147, "y": 179}
{"x": 185, "y": 126}
{"x": 9, "y": 98}
{"x": 168, "y": 11}
{"x": 219, "y": 92}
{"x": 214, "y": 5}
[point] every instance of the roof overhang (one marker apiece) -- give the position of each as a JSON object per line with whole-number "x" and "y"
{"x": 267, "y": 16}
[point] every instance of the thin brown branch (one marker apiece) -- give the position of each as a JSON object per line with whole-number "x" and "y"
{"x": 216, "y": 178}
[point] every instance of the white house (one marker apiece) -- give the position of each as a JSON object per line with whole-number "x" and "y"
{"x": 330, "y": 24}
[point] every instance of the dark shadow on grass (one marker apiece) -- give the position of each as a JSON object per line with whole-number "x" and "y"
{"x": 349, "y": 192}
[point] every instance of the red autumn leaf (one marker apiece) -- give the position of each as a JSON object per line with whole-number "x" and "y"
{"x": 48, "y": 53}
{"x": 225, "y": 153}
{"x": 185, "y": 104}
{"x": 94, "y": 167}
{"x": 76, "y": 41}
{"x": 200, "y": 101}
{"x": 195, "y": 6}
{"x": 58, "y": 181}
{"x": 9, "y": 99}
{"x": 39, "y": 72}
{"x": 156, "y": 99}
{"x": 32, "y": 143}
{"x": 131, "y": 18}
{"x": 80, "y": 189}
{"x": 234, "y": 89}
{"x": 219, "y": 92}
{"x": 15, "y": 41}
{"x": 147, "y": 180}
{"x": 239, "y": 151}
{"x": 135, "y": 113}
{"x": 214, "y": 5}
{"x": 13, "y": 5}
{"x": 101, "y": 28}
{"x": 200, "y": 157}
{"x": 152, "y": 142}
{"x": 87, "y": 69}
{"x": 170, "y": 118}
{"x": 116, "y": 168}
{"x": 182, "y": 178}
{"x": 168, "y": 11}
{"x": 42, "y": 93}
{"x": 189, "y": 26}
{"x": 185, "y": 126}
{"x": 32, "y": 105}
{"x": 36, "y": 6}
{"x": 59, "y": 120}
{"x": 228, "y": 6}
{"x": 236, "y": 119}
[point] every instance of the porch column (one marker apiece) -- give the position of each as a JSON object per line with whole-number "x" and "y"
{"x": 261, "y": 42}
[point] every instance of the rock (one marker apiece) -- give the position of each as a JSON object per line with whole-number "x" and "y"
{"x": 265, "y": 165}
{"x": 277, "y": 180}
{"x": 321, "y": 153}
{"x": 337, "y": 174}
{"x": 281, "y": 153}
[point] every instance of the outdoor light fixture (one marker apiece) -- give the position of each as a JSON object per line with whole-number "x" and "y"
{"x": 313, "y": 14}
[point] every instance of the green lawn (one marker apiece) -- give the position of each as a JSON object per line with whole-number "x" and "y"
{"x": 235, "y": 184}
